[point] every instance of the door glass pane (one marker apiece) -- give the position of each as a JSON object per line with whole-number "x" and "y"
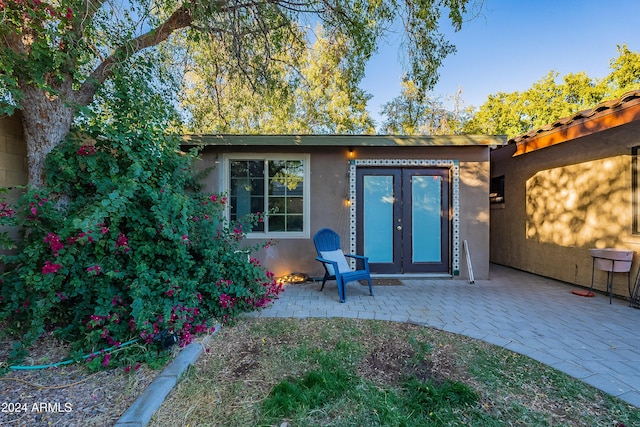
{"x": 426, "y": 193}
{"x": 378, "y": 217}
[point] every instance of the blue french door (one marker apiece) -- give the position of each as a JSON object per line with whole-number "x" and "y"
{"x": 403, "y": 219}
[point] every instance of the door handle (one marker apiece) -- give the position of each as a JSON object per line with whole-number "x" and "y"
{"x": 399, "y": 228}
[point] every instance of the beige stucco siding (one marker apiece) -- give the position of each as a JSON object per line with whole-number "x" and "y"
{"x": 329, "y": 189}
{"x": 13, "y": 153}
{"x": 474, "y": 216}
{"x": 563, "y": 200}
{"x": 13, "y": 162}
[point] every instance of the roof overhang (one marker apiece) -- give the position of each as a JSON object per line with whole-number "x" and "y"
{"x": 606, "y": 115}
{"x": 345, "y": 140}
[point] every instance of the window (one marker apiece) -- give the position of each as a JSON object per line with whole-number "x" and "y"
{"x": 275, "y": 185}
{"x": 496, "y": 190}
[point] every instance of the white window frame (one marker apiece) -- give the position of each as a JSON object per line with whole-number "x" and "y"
{"x": 225, "y": 179}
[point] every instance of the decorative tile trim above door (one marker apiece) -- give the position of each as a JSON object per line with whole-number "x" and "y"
{"x": 453, "y": 165}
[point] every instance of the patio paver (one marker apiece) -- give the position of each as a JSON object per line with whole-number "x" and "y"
{"x": 587, "y": 338}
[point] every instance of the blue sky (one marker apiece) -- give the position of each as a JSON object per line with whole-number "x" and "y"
{"x": 514, "y": 43}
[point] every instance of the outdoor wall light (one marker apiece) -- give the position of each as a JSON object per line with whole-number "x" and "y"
{"x": 351, "y": 153}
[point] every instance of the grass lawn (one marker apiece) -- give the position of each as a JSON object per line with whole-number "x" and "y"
{"x": 345, "y": 372}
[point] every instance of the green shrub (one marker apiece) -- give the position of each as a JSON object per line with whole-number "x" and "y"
{"x": 122, "y": 244}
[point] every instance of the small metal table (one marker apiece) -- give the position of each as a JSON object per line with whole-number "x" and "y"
{"x": 612, "y": 261}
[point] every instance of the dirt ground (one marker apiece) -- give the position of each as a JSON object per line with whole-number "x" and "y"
{"x": 67, "y": 395}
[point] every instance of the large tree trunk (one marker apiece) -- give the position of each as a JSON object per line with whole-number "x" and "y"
{"x": 47, "y": 117}
{"x": 46, "y": 120}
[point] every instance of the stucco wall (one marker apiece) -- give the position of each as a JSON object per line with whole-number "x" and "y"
{"x": 330, "y": 188}
{"x": 13, "y": 162}
{"x": 563, "y": 200}
{"x": 13, "y": 152}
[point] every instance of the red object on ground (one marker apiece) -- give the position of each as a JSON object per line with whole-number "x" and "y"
{"x": 583, "y": 293}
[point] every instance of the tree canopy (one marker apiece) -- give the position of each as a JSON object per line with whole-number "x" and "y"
{"x": 55, "y": 56}
{"x": 415, "y": 113}
{"x": 548, "y": 100}
{"x": 314, "y": 91}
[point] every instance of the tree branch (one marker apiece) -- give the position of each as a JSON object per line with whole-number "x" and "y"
{"x": 87, "y": 10}
{"x": 181, "y": 18}
{"x": 90, "y": 7}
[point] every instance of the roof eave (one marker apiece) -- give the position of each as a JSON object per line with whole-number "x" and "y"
{"x": 606, "y": 115}
{"x": 344, "y": 140}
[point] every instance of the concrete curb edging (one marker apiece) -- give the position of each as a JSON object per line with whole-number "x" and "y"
{"x": 140, "y": 412}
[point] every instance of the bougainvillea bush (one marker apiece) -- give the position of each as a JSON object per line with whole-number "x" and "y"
{"x": 120, "y": 244}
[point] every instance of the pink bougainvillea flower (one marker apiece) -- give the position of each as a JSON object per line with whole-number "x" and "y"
{"x": 50, "y": 268}
{"x": 94, "y": 269}
{"x": 226, "y": 301}
{"x": 6, "y": 211}
{"x": 122, "y": 243}
{"x": 54, "y": 243}
{"x": 86, "y": 150}
{"x": 82, "y": 235}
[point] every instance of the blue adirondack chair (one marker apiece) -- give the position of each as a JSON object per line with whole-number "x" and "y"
{"x": 335, "y": 264}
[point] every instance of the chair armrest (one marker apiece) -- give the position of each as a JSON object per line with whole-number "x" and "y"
{"x": 327, "y": 261}
{"x": 333, "y": 264}
{"x": 364, "y": 259}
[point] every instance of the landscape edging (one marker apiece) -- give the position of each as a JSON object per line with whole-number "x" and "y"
{"x": 140, "y": 412}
